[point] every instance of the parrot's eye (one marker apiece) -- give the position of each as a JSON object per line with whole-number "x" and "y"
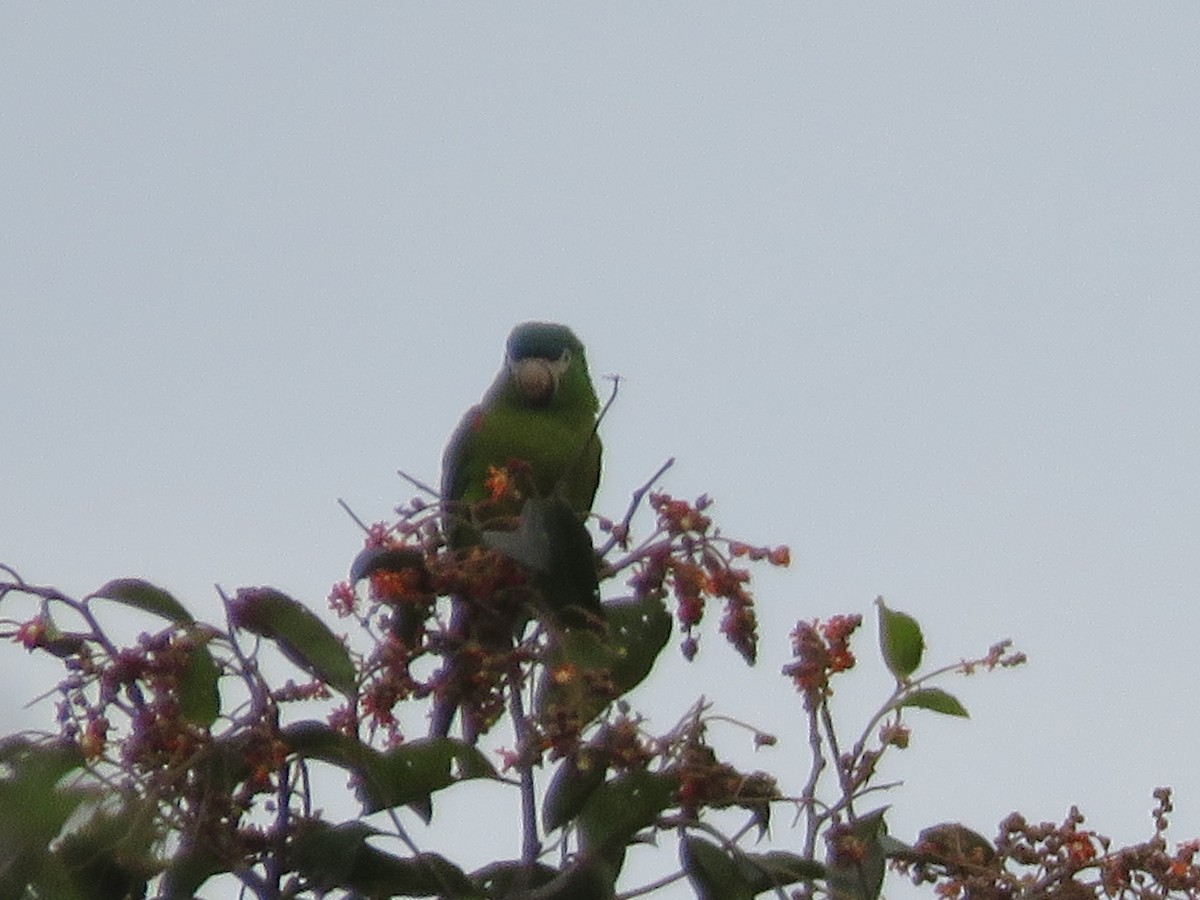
{"x": 565, "y": 359}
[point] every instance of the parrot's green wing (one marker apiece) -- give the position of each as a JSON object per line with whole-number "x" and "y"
{"x": 458, "y": 452}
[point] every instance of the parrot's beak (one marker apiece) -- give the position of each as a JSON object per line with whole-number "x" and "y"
{"x": 537, "y": 378}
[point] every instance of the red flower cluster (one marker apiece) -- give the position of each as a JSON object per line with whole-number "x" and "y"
{"x": 776, "y": 556}
{"x": 690, "y": 565}
{"x": 821, "y": 649}
{"x": 680, "y": 517}
{"x": 342, "y": 599}
{"x": 388, "y": 683}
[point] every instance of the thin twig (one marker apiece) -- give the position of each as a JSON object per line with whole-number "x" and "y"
{"x": 652, "y": 886}
{"x": 357, "y": 521}
{"x": 13, "y": 572}
{"x": 835, "y": 751}
{"x": 419, "y": 484}
{"x": 761, "y": 737}
{"x": 531, "y": 845}
{"x": 616, "y": 380}
{"x": 809, "y": 794}
{"x": 593, "y": 435}
{"x": 635, "y": 502}
{"x": 402, "y": 832}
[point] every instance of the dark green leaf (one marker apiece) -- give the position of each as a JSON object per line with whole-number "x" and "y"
{"x": 717, "y": 873}
{"x": 414, "y": 770}
{"x": 49, "y": 879}
{"x": 406, "y": 774}
{"x": 507, "y": 877}
{"x": 711, "y": 871}
{"x": 225, "y": 764}
{"x": 586, "y": 878}
{"x": 639, "y": 630}
{"x": 712, "y": 874}
{"x": 934, "y": 699}
{"x": 634, "y": 634}
{"x": 109, "y": 857}
{"x": 300, "y": 635}
{"x": 190, "y": 868}
{"x": 316, "y": 740}
{"x": 574, "y": 781}
{"x": 776, "y": 869}
{"x": 199, "y": 698}
{"x": 853, "y": 874}
{"x": 338, "y": 856}
{"x": 893, "y": 848}
{"x": 145, "y": 596}
{"x": 900, "y": 640}
{"x": 34, "y": 807}
{"x": 620, "y": 808}
{"x": 46, "y": 762}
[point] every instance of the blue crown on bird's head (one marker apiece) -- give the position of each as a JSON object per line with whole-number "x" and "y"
{"x": 542, "y": 340}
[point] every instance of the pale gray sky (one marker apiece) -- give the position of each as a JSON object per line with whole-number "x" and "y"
{"x": 912, "y": 288}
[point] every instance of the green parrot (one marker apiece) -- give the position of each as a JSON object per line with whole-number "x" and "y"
{"x": 536, "y": 424}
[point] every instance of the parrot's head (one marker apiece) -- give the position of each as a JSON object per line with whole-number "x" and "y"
{"x": 545, "y": 361}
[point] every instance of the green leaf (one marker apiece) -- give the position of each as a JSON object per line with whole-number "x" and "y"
{"x": 620, "y": 808}
{"x": 894, "y": 849}
{"x": 191, "y": 867}
{"x": 506, "y": 877}
{"x": 586, "y": 878}
{"x": 639, "y": 630}
{"x": 300, "y": 635}
{"x": 34, "y": 807}
{"x": 713, "y": 874}
{"x": 46, "y": 763}
{"x": 145, "y": 596}
{"x": 316, "y": 740}
{"x": 778, "y": 868}
{"x": 934, "y": 699}
{"x": 110, "y": 856}
{"x": 338, "y": 856}
{"x": 225, "y": 763}
{"x": 716, "y": 873}
{"x": 199, "y": 697}
{"x": 626, "y": 649}
{"x": 406, "y": 774}
{"x": 574, "y": 781}
{"x": 900, "y": 640}
{"x": 858, "y": 875}
{"x": 414, "y": 770}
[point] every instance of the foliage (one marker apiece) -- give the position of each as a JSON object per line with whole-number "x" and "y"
{"x": 182, "y": 755}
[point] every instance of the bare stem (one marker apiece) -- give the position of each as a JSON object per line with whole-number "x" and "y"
{"x": 808, "y": 797}
{"x": 419, "y": 484}
{"x": 531, "y": 845}
{"x": 652, "y": 886}
{"x": 843, "y": 772}
{"x": 635, "y": 502}
{"x": 357, "y": 521}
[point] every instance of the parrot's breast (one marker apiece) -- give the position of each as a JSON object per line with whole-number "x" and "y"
{"x": 561, "y": 454}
